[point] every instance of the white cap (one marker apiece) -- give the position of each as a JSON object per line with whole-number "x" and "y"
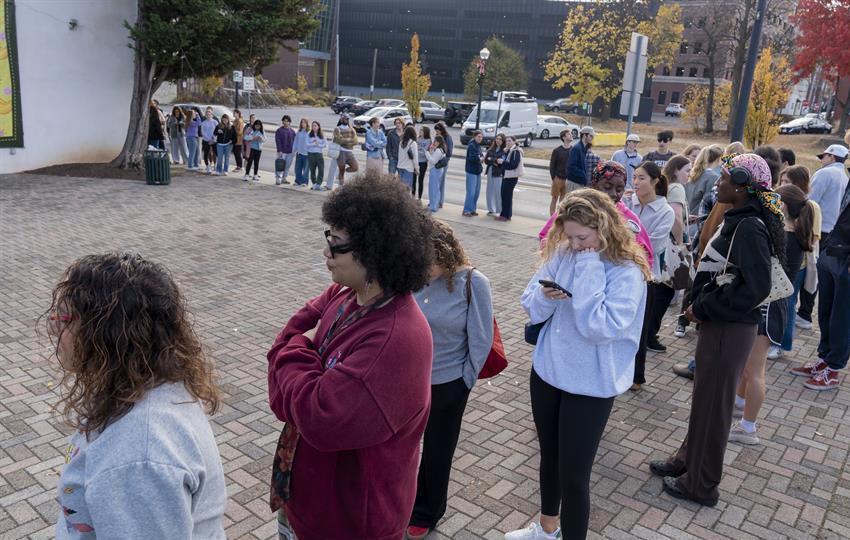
{"x": 633, "y": 137}
{"x": 587, "y": 130}
{"x": 836, "y": 150}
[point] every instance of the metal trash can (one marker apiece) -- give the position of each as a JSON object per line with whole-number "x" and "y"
{"x": 157, "y": 168}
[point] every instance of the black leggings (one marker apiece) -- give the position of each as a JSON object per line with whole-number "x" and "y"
{"x": 423, "y": 166}
{"x": 209, "y": 153}
{"x": 640, "y": 357}
{"x": 662, "y": 295}
{"x": 569, "y": 428}
{"x": 255, "y": 159}
{"x": 237, "y": 153}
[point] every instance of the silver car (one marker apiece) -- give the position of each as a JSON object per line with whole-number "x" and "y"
{"x": 552, "y": 126}
{"x": 430, "y": 111}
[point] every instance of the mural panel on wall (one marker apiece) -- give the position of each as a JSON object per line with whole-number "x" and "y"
{"x": 11, "y": 128}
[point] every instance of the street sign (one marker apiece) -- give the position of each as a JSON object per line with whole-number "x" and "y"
{"x": 248, "y": 84}
{"x": 633, "y": 77}
{"x": 629, "y": 71}
{"x": 237, "y": 76}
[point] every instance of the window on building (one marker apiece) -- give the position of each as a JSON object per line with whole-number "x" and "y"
{"x": 706, "y": 73}
{"x": 662, "y": 97}
{"x": 666, "y": 70}
{"x": 674, "y": 97}
{"x": 693, "y": 72}
{"x": 683, "y": 48}
{"x": 680, "y": 72}
{"x": 697, "y": 47}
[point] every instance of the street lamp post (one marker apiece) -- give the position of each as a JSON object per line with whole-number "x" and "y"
{"x": 484, "y": 54}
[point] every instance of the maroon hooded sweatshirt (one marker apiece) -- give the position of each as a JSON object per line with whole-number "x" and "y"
{"x": 360, "y": 420}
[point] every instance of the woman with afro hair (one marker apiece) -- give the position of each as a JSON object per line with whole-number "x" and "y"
{"x": 350, "y": 374}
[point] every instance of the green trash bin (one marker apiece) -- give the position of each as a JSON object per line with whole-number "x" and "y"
{"x": 157, "y": 168}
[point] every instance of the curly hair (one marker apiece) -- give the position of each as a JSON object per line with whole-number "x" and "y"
{"x": 389, "y": 232}
{"x": 594, "y": 209}
{"x": 132, "y": 333}
{"x": 448, "y": 252}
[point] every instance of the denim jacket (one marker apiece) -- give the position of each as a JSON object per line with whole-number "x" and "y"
{"x": 376, "y": 141}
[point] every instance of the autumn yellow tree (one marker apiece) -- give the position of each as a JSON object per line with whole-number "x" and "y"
{"x": 414, "y": 84}
{"x": 770, "y": 91}
{"x": 695, "y": 101}
{"x": 590, "y": 55}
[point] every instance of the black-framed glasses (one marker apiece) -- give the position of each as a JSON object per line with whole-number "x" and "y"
{"x": 338, "y": 249}
{"x": 663, "y": 140}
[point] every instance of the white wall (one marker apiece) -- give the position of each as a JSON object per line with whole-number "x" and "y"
{"x": 76, "y": 85}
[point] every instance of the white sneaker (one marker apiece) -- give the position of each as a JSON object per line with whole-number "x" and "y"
{"x": 224, "y": 173}
{"x": 256, "y": 178}
{"x": 246, "y": 178}
{"x": 774, "y": 352}
{"x": 208, "y": 169}
{"x": 215, "y": 173}
{"x": 533, "y": 532}
{"x": 740, "y": 435}
{"x": 803, "y": 323}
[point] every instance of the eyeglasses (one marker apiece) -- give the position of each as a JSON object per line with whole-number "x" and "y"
{"x": 663, "y": 140}
{"x": 338, "y": 249}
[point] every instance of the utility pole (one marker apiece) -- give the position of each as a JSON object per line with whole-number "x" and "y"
{"x": 737, "y": 132}
{"x": 336, "y": 46}
{"x": 374, "y": 64}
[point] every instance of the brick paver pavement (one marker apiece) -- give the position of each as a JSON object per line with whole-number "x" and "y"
{"x": 247, "y": 258}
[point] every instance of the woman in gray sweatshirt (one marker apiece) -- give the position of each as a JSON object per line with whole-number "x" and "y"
{"x": 459, "y": 310}
{"x": 142, "y": 462}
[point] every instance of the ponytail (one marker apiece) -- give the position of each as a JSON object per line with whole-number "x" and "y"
{"x": 804, "y": 229}
{"x": 654, "y": 172}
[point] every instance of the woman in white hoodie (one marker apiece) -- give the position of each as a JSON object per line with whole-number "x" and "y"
{"x": 436, "y": 156}
{"x": 591, "y": 305}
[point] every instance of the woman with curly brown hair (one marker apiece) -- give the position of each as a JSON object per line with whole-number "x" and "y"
{"x": 350, "y": 373}
{"x": 459, "y": 310}
{"x": 143, "y": 462}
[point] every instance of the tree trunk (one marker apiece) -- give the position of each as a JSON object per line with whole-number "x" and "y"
{"x": 709, "y": 104}
{"x": 136, "y": 139}
{"x": 741, "y": 43}
{"x": 842, "y": 123}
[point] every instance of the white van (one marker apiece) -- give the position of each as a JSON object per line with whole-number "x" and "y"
{"x": 517, "y": 118}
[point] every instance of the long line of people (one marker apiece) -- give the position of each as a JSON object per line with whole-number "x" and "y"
{"x": 406, "y": 299}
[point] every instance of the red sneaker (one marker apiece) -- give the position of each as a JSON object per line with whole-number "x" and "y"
{"x": 417, "y": 533}
{"x": 809, "y": 370}
{"x": 824, "y": 380}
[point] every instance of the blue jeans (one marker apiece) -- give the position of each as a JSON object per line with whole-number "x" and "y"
{"x": 222, "y": 160}
{"x": 288, "y": 158}
{"x": 192, "y": 144}
{"x": 834, "y": 310}
{"x": 443, "y": 183}
{"x": 393, "y": 166}
{"x": 435, "y": 190}
{"x": 494, "y": 194}
{"x": 473, "y": 190}
{"x": 406, "y": 177}
{"x": 788, "y": 336}
{"x": 301, "y": 169}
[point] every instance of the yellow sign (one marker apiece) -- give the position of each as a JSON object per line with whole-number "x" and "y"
{"x": 11, "y": 129}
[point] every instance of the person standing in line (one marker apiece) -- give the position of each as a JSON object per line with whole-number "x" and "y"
{"x": 473, "y": 170}
{"x": 353, "y": 423}
{"x": 459, "y": 309}
{"x": 208, "y": 127}
{"x": 692, "y": 152}
{"x": 788, "y": 157}
{"x": 827, "y": 186}
{"x": 299, "y": 147}
{"x": 137, "y": 387}
{"x": 440, "y": 127}
{"x": 346, "y": 138}
{"x": 436, "y": 156}
{"x": 156, "y": 133}
{"x": 408, "y": 157}
{"x": 558, "y": 169}
{"x": 246, "y": 146}
{"x": 513, "y": 171}
{"x": 376, "y": 142}
{"x": 732, "y": 280}
{"x": 577, "y": 173}
{"x": 677, "y": 170}
{"x": 315, "y": 147}
{"x": 193, "y": 133}
{"x": 284, "y": 140}
{"x": 239, "y": 126}
{"x": 629, "y": 158}
{"x": 585, "y": 352}
{"x": 258, "y": 137}
{"x": 423, "y": 143}
{"x": 494, "y": 160}
{"x": 649, "y": 203}
{"x": 393, "y": 140}
{"x": 176, "y": 125}
{"x": 662, "y": 154}
{"x": 703, "y": 176}
{"x": 224, "y": 137}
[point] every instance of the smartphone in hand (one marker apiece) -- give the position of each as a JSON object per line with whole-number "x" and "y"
{"x": 553, "y": 285}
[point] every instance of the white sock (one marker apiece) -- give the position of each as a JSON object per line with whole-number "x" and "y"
{"x": 740, "y": 402}
{"x": 749, "y": 427}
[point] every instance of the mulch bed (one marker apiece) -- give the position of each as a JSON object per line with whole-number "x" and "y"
{"x": 91, "y": 170}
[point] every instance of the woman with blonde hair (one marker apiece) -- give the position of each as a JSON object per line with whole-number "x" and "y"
{"x": 703, "y": 176}
{"x": 692, "y": 152}
{"x": 736, "y": 147}
{"x": 589, "y": 293}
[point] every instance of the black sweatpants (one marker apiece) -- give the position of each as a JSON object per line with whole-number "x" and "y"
{"x": 507, "y": 195}
{"x": 254, "y": 158}
{"x": 209, "y": 152}
{"x": 640, "y": 357}
{"x": 807, "y": 299}
{"x": 237, "y": 154}
{"x": 569, "y": 428}
{"x": 423, "y": 166}
{"x": 448, "y": 402}
{"x": 662, "y": 295}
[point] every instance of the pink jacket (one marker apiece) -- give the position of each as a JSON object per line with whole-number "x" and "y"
{"x": 631, "y": 219}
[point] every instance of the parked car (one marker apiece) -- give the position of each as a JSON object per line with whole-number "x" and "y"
{"x": 552, "y": 126}
{"x": 674, "y": 109}
{"x": 457, "y": 112}
{"x": 386, "y": 115}
{"x": 186, "y": 107}
{"x": 343, "y": 103}
{"x": 390, "y": 103}
{"x": 361, "y": 107}
{"x": 805, "y": 125}
{"x": 430, "y": 111}
{"x": 517, "y": 118}
{"x": 562, "y": 105}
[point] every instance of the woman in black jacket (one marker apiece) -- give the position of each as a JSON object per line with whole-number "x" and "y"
{"x": 732, "y": 280}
